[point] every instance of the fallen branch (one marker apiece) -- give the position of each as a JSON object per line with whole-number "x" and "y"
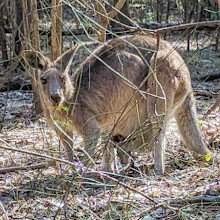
{"x": 4, "y": 211}
{"x": 210, "y": 77}
{"x": 162, "y": 28}
{"x": 27, "y": 167}
{"x": 10, "y": 148}
{"x": 198, "y": 199}
{"x": 203, "y": 93}
{"x": 215, "y": 105}
{"x": 151, "y": 30}
{"x": 156, "y": 26}
{"x": 102, "y": 174}
{"x": 188, "y": 26}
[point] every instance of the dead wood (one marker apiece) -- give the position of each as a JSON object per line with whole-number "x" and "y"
{"x": 104, "y": 17}
{"x": 150, "y": 28}
{"x": 26, "y": 167}
{"x": 210, "y": 77}
{"x": 203, "y": 93}
{"x": 203, "y": 199}
{"x": 8, "y": 147}
{"x": 189, "y": 26}
{"x": 215, "y": 105}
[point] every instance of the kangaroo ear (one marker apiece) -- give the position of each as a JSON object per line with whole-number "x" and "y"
{"x": 36, "y": 59}
{"x": 65, "y": 59}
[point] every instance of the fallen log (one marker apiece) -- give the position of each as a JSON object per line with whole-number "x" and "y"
{"x": 210, "y": 77}
{"x": 28, "y": 167}
{"x": 203, "y": 199}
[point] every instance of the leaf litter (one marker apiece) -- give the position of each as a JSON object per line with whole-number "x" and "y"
{"x": 58, "y": 192}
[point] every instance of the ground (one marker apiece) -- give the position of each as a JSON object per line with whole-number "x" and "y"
{"x": 52, "y": 190}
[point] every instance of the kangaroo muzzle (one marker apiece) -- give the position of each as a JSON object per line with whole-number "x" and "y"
{"x": 55, "y": 98}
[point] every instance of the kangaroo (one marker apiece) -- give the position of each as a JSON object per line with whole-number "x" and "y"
{"x": 129, "y": 89}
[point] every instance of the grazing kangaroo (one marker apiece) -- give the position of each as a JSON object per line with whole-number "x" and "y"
{"x": 127, "y": 89}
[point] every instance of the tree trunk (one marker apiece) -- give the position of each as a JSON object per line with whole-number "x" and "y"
{"x": 123, "y": 19}
{"x": 218, "y": 30}
{"x": 104, "y": 17}
{"x": 159, "y": 10}
{"x": 30, "y": 40}
{"x": 36, "y": 45}
{"x": 103, "y": 20}
{"x": 56, "y": 28}
{"x": 3, "y": 41}
{"x": 17, "y": 24}
{"x": 168, "y": 11}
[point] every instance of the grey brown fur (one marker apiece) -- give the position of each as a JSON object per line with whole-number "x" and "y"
{"x": 135, "y": 105}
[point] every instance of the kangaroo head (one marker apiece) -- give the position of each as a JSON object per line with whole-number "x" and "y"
{"x": 53, "y": 78}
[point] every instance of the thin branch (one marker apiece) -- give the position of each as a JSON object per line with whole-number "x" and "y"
{"x": 117, "y": 7}
{"x": 10, "y": 148}
{"x": 102, "y": 174}
{"x": 198, "y": 199}
{"x": 203, "y": 93}
{"x": 215, "y": 106}
{"x": 188, "y": 26}
{"x": 104, "y": 16}
{"x": 4, "y": 211}
{"x": 26, "y": 167}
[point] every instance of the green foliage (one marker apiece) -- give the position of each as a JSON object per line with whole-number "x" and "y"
{"x": 68, "y": 123}
{"x": 147, "y": 17}
{"x": 61, "y": 107}
{"x": 57, "y": 122}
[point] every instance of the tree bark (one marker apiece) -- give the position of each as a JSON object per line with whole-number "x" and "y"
{"x": 159, "y": 10}
{"x": 120, "y": 18}
{"x": 3, "y": 42}
{"x": 17, "y": 24}
{"x": 218, "y": 30}
{"x": 31, "y": 40}
{"x": 103, "y": 20}
{"x": 104, "y": 17}
{"x": 56, "y": 28}
{"x": 36, "y": 45}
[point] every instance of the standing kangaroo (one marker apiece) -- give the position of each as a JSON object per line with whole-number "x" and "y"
{"x": 128, "y": 89}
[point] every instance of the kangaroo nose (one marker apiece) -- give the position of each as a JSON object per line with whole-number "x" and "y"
{"x": 55, "y": 98}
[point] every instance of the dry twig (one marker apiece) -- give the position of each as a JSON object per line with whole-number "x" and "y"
{"x": 215, "y": 105}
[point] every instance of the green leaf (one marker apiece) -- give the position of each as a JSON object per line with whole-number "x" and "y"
{"x": 61, "y": 107}
{"x": 68, "y": 123}
{"x": 57, "y": 122}
{"x": 65, "y": 108}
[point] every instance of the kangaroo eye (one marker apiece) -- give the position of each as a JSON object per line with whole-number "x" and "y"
{"x": 43, "y": 81}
